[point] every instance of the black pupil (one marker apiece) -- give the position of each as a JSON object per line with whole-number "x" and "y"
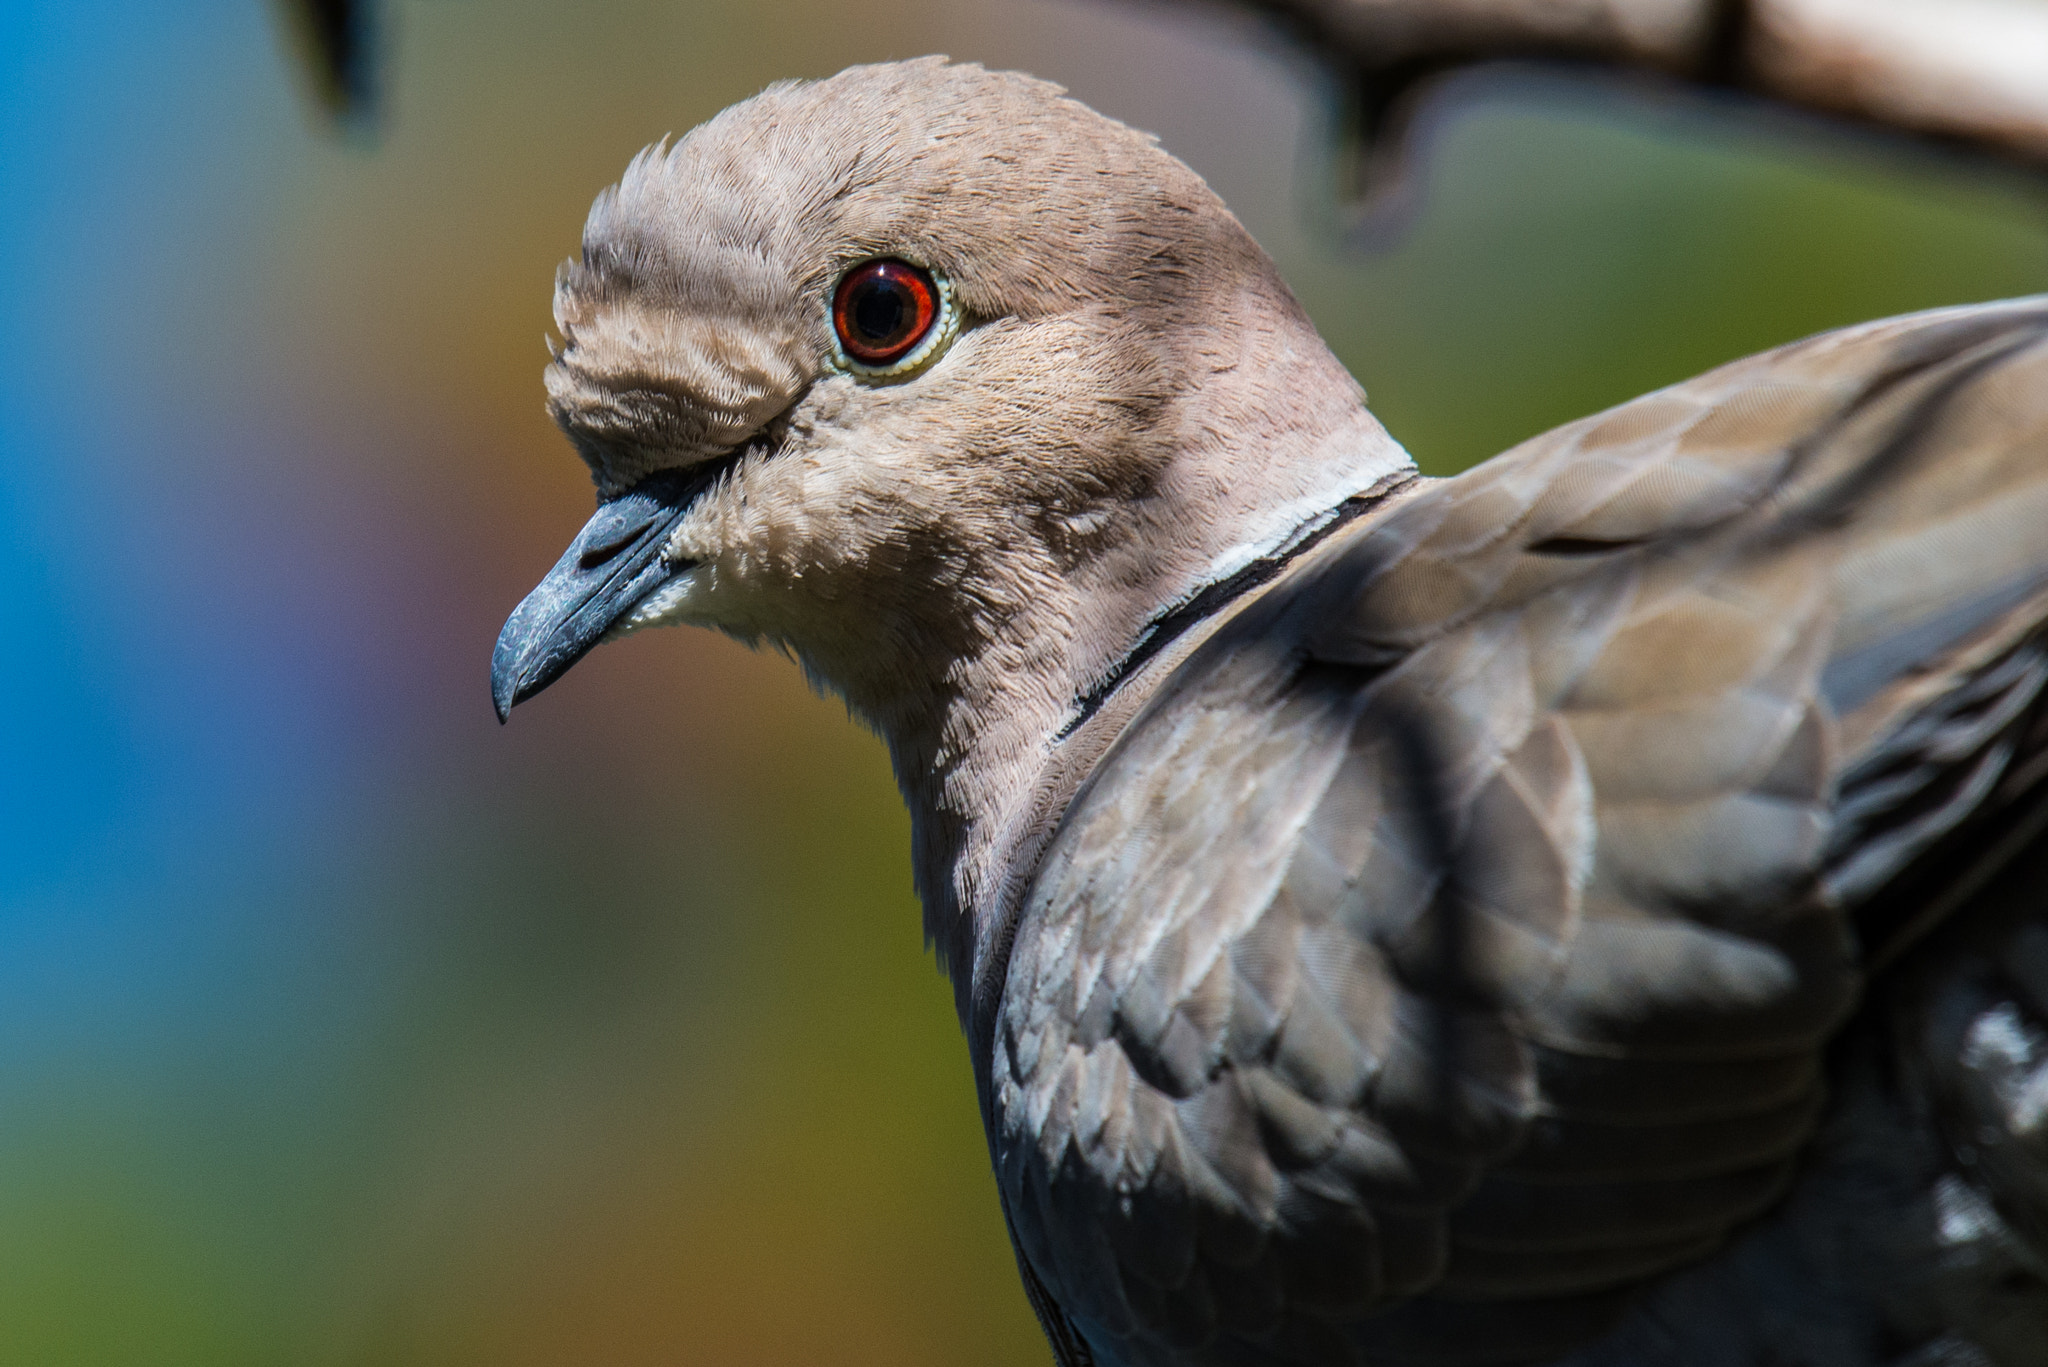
{"x": 880, "y": 312}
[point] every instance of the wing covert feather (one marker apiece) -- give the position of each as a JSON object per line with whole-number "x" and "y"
{"x": 1462, "y": 925}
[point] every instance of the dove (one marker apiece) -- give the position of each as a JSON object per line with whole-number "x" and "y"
{"x": 1592, "y": 909}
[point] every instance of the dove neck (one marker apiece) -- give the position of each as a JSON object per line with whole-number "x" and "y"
{"x": 1054, "y": 653}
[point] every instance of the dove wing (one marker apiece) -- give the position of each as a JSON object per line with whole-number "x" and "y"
{"x": 1451, "y": 944}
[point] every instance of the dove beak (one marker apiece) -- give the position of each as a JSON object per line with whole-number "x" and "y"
{"x": 614, "y": 563}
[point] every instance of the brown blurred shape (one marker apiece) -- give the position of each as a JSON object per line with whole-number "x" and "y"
{"x": 1969, "y": 71}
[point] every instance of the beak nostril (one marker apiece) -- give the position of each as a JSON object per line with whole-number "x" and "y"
{"x": 594, "y": 556}
{"x": 611, "y": 543}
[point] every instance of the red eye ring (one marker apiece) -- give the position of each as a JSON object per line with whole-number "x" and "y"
{"x": 883, "y": 309}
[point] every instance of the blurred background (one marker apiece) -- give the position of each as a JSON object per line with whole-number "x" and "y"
{"x": 340, "y": 1026}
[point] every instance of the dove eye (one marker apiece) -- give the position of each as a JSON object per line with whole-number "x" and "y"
{"x": 890, "y": 317}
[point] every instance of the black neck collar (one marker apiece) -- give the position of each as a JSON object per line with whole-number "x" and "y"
{"x": 1213, "y": 597}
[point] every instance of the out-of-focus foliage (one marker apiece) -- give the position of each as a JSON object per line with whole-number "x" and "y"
{"x": 339, "y": 1026}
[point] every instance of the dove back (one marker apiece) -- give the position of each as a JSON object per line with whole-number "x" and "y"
{"x": 1448, "y": 958}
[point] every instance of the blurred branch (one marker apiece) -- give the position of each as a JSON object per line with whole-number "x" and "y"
{"x": 333, "y": 40}
{"x": 1969, "y": 71}
{"x": 1976, "y": 69}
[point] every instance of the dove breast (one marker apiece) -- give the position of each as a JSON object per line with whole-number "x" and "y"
{"x": 1451, "y": 950}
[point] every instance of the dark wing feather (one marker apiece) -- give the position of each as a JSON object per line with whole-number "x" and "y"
{"x": 1451, "y": 945}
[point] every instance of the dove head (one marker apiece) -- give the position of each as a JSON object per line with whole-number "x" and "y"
{"x": 941, "y": 381}
{"x": 699, "y": 320}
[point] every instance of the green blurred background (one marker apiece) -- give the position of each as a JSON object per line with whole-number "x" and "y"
{"x": 339, "y": 1026}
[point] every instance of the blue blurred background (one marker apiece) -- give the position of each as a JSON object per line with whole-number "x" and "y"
{"x": 340, "y": 1026}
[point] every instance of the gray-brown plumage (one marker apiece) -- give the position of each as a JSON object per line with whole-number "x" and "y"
{"x": 1592, "y": 909}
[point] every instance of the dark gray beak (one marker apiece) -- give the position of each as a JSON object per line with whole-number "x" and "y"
{"x": 613, "y": 563}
